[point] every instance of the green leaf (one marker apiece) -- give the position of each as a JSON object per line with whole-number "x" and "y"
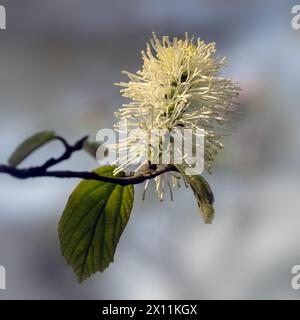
{"x": 91, "y": 148}
{"x": 203, "y": 194}
{"x": 92, "y": 223}
{"x": 30, "y": 145}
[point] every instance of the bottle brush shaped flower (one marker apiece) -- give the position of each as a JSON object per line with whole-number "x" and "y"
{"x": 178, "y": 87}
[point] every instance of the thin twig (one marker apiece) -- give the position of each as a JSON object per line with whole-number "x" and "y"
{"x": 69, "y": 150}
{"x": 35, "y": 172}
{"x": 42, "y": 171}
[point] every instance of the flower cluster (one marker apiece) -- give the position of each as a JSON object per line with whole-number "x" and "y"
{"x": 178, "y": 87}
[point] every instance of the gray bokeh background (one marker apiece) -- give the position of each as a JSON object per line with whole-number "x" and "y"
{"x": 58, "y": 62}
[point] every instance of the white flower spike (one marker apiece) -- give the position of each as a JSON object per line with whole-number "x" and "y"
{"x": 179, "y": 86}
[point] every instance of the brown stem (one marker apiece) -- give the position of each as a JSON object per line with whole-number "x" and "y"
{"x": 42, "y": 171}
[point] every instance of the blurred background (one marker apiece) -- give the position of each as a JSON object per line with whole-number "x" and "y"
{"x": 58, "y": 62}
